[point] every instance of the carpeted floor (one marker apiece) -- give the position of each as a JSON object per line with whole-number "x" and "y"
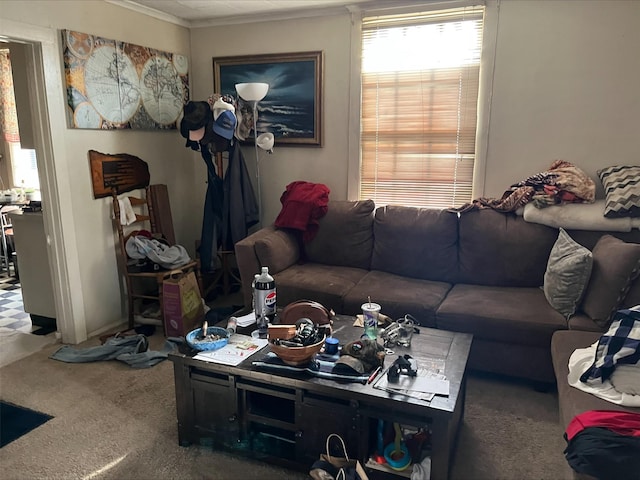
{"x": 114, "y": 422}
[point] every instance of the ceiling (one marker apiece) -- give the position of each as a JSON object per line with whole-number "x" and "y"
{"x": 201, "y": 13}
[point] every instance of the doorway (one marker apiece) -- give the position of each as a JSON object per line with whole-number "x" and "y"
{"x": 44, "y": 86}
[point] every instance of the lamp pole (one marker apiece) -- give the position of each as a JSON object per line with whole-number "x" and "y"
{"x": 254, "y": 92}
{"x": 255, "y": 146}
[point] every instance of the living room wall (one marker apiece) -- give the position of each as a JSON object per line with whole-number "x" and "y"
{"x": 564, "y": 86}
{"x": 327, "y": 164}
{"x": 89, "y": 234}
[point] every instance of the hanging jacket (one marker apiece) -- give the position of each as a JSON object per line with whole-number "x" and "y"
{"x": 211, "y": 236}
{"x": 241, "y": 209}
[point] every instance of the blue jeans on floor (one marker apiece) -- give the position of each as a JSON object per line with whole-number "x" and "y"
{"x": 133, "y": 350}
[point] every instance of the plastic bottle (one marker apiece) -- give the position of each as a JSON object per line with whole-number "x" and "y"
{"x": 253, "y": 293}
{"x": 264, "y": 295}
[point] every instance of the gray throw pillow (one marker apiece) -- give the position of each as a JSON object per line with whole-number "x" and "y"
{"x": 567, "y": 275}
{"x": 622, "y": 187}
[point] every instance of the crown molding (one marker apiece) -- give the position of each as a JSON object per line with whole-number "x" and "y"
{"x": 271, "y": 16}
{"x": 150, "y": 12}
{"x": 230, "y": 20}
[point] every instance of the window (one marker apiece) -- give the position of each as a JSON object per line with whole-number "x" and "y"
{"x": 23, "y": 170}
{"x": 420, "y": 77}
{"x": 24, "y": 167}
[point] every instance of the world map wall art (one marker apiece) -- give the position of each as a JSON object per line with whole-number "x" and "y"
{"x": 116, "y": 85}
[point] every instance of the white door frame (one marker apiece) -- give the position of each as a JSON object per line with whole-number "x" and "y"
{"x": 48, "y": 109}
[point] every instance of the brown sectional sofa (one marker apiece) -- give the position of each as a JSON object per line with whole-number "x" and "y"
{"x": 479, "y": 272}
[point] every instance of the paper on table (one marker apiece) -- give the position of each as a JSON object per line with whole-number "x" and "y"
{"x": 239, "y": 348}
{"x": 424, "y": 382}
{"x": 246, "y": 320}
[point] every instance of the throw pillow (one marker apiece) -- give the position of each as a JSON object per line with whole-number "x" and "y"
{"x": 615, "y": 265}
{"x": 622, "y": 188}
{"x": 568, "y": 272}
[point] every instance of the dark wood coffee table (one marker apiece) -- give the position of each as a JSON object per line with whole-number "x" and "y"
{"x": 285, "y": 417}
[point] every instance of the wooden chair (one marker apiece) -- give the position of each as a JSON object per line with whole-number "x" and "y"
{"x": 144, "y": 285}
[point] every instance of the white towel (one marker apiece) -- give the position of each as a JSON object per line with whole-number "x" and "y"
{"x": 127, "y": 215}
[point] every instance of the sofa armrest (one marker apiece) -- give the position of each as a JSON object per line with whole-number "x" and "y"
{"x": 268, "y": 247}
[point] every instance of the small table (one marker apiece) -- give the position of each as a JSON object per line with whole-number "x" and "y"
{"x": 285, "y": 418}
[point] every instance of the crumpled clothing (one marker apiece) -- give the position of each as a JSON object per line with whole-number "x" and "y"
{"x": 580, "y": 360}
{"x": 169, "y": 257}
{"x": 620, "y": 345}
{"x": 132, "y": 350}
{"x": 303, "y": 204}
{"x": 562, "y": 183}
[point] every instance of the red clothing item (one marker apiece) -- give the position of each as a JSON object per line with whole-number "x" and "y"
{"x": 624, "y": 423}
{"x": 303, "y": 203}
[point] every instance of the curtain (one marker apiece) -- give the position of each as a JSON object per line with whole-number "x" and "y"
{"x": 8, "y": 115}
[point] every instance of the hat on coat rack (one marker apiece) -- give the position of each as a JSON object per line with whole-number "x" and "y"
{"x": 225, "y": 124}
{"x": 197, "y": 115}
{"x": 221, "y": 106}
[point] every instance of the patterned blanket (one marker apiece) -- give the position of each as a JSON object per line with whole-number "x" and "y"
{"x": 562, "y": 183}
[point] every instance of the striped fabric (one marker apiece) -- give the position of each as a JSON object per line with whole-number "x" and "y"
{"x": 622, "y": 187}
{"x": 620, "y": 345}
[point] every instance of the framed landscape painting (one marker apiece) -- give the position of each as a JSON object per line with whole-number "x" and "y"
{"x": 292, "y": 108}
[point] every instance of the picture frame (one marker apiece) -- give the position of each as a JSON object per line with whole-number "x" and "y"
{"x": 292, "y": 108}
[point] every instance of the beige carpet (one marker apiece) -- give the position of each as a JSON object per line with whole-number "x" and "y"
{"x": 15, "y": 344}
{"x": 114, "y": 422}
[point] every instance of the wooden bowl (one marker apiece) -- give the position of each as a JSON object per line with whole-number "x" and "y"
{"x": 296, "y": 356}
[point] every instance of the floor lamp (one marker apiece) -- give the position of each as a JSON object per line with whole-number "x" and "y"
{"x": 254, "y": 92}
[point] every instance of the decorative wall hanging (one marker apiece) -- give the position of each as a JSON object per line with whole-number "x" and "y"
{"x": 117, "y": 85}
{"x": 121, "y": 171}
{"x": 292, "y": 108}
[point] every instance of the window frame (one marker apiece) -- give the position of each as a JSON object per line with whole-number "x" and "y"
{"x": 487, "y": 61}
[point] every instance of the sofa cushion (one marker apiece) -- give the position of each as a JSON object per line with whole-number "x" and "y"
{"x": 345, "y": 235}
{"x": 501, "y": 249}
{"x": 567, "y": 275}
{"x": 622, "y": 187}
{"x": 324, "y": 284}
{"x": 504, "y": 314}
{"x": 398, "y": 296}
{"x": 277, "y": 250}
{"x": 416, "y": 242}
{"x": 615, "y": 265}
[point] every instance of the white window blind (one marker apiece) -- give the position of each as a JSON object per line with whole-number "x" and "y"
{"x": 420, "y": 77}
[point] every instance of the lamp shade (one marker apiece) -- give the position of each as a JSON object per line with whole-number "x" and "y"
{"x": 252, "y": 92}
{"x": 265, "y": 141}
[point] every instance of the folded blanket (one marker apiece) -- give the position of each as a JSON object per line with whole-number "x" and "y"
{"x": 579, "y": 216}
